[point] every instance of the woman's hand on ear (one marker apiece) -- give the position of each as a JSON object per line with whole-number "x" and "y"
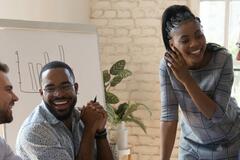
{"x": 177, "y": 64}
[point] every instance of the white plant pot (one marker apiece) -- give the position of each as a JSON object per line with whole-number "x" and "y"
{"x": 114, "y": 149}
{"x": 112, "y": 135}
{"x": 122, "y": 136}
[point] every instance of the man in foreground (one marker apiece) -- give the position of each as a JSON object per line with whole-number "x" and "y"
{"x": 7, "y": 99}
{"x": 55, "y": 129}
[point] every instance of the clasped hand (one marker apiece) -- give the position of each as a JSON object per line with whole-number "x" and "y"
{"x": 93, "y": 116}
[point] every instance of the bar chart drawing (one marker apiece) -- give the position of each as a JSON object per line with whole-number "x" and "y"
{"x": 33, "y": 69}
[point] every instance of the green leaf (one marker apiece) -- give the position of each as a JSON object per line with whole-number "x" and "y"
{"x": 117, "y": 67}
{"x": 121, "y": 110}
{"x": 134, "y": 107}
{"x": 115, "y": 81}
{"x": 106, "y": 76}
{"x": 138, "y": 122}
{"x": 130, "y": 118}
{"x": 145, "y": 107}
{"x": 125, "y": 73}
{"x": 112, "y": 116}
{"x": 111, "y": 98}
{"x": 130, "y": 110}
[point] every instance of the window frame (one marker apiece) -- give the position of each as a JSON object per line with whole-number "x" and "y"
{"x": 195, "y": 6}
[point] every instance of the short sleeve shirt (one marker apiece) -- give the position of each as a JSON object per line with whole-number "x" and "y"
{"x": 43, "y": 137}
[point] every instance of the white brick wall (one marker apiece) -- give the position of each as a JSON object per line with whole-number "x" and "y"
{"x": 131, "y": 30}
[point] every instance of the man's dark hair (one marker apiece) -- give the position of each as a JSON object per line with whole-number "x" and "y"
{"x": 56, "y": 64}
{"x": 4, "y": 67}
{"x": 172, "y": 17}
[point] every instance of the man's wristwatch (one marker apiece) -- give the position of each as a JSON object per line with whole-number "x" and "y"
{"x": 101, "y": 135}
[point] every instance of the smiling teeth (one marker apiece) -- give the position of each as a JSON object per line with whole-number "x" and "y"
{"x": 196, "y": 52}
{"x": 59, "y": 103}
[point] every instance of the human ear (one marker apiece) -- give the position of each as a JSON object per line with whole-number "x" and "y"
{"x": 76, "y": 87}
{"x": 171, "y": 44}
{"x": 41, "y": 91}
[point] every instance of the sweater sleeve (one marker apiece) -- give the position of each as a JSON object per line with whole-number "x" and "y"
{"x": 169, "y": 103}
{"x": 223, "y": 90}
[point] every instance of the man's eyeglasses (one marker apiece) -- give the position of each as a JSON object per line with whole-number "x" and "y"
{"x": 61, "y": 88}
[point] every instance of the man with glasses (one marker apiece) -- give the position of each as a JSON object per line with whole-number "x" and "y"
{"x": 56, "y": 130}
{"x": 7, "y": 100}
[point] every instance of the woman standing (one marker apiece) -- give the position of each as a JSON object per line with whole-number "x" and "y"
{"x": 196, "y": 77}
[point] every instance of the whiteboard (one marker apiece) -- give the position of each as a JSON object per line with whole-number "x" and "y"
{"x": 26, "y": 46}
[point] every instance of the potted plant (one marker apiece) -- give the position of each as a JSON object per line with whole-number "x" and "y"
{"x": 119, "y": 113}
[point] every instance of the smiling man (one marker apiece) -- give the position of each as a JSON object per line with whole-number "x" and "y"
{"x": 7, "y": 99}
{"x": 56, "y": 130}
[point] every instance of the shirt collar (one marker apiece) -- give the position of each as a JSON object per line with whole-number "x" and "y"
{"x": 50, "y": 118}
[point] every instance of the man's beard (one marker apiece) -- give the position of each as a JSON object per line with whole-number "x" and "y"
{"x": 5, "y": 117}
{"x": 64, "y": 116}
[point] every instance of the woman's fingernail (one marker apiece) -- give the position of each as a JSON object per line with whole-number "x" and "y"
{"x": 169, "y": 64}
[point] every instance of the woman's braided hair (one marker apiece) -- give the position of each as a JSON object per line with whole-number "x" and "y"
{"x": 172, "y": 17}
